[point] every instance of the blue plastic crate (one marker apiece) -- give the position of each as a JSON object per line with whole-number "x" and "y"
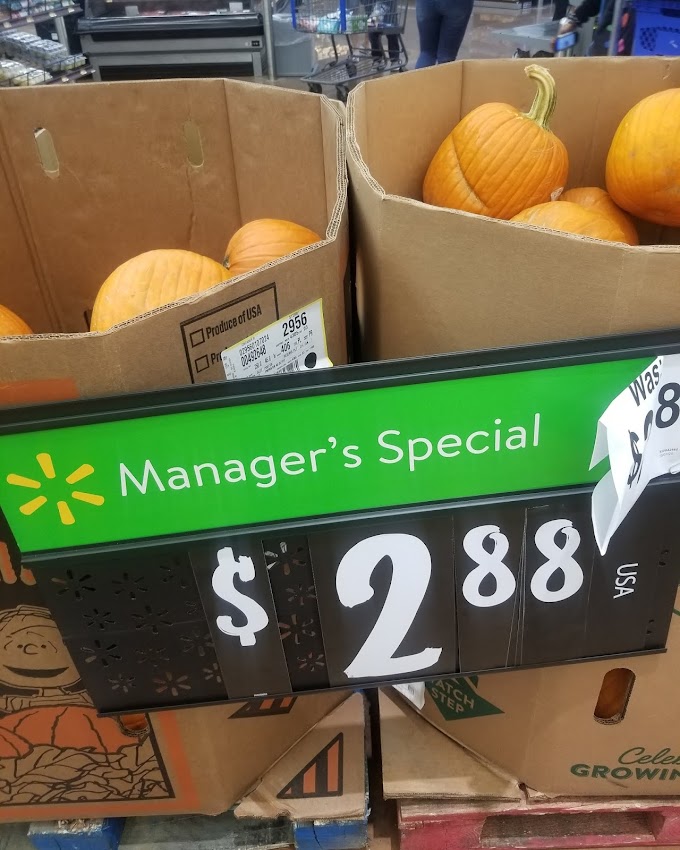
{"x": 657, "y": 28}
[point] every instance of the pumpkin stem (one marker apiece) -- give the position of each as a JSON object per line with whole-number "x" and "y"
{"x": 544, "y": 102}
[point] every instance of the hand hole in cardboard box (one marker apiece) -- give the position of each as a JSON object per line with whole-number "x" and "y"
{"x": 192, "y": 137}
{"x": 615, "y": 692}
{"x": 46, "y": 152}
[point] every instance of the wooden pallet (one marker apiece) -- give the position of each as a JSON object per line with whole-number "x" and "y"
{"x": 224, "y": 832}
{"x": 181, "y": 832}
{"x": 524, "y": 825}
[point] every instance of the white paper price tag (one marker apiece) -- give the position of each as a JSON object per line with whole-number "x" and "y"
{"x": 640, "y": 431}
{"x": 295, "y": 343}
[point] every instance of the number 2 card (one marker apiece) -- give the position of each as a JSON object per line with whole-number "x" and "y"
{"x": 386, "y": 599}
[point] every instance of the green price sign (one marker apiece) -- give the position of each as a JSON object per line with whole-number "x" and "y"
{"x": 354, "y": 439}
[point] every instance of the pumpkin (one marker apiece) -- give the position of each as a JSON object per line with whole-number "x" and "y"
{"x": 498, "y": 161}
{"x": 151, "y": 280}
{"x": 596, "y": 199}
{"x": 11, "y": 324}
{"x": 67, "y": 727}
{"x": 643, "y": 164}
{"x": 571, "y": 218}
{"x": 263, "y": 240}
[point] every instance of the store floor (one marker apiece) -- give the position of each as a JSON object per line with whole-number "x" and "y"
{"x": 482, "y": 39}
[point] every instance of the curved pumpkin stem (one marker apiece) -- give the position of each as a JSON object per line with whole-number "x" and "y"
{"x": 546, "y": 98}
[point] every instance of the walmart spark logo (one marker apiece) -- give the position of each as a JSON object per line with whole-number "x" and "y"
{"x": 47, "y": 466}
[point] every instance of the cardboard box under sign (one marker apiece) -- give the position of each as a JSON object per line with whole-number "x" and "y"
{"x": 303, "y": 757}
{"x": 599, "y": 729}
{"x": 432, "y": 280}
{"x": 93, "y": 175}
{"x": 448, "y": 797}
{"x": 58, "y": 759}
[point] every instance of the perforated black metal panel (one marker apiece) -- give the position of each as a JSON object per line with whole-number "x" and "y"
{"x": 292, "y": 582}
{"x": 136, "y": 631}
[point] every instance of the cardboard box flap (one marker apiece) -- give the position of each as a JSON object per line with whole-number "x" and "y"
{"x": 419, "y": 762}
{"x": 397, "y": 167}
{"x": 233, "y": 744}
{"x": 333, "y": 128}
{"x": 268, "y": 165}
{"x": 322, "y": 777}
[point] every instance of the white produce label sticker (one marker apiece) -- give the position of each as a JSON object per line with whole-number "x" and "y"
{"x": 640, "y": 431}
{"x": 295, "y": 343}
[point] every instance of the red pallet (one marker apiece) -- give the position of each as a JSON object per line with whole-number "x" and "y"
{"x": 521, "y": 825}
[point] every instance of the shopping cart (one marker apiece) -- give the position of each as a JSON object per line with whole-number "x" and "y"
{"x": 539, "y": 40}
{"x": 380, "y": 25}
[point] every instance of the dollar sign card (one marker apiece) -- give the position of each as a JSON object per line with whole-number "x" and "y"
{"x": 232, "y": 578}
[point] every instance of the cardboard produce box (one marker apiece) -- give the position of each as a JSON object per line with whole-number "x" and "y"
{"x": 93, "y": 175}
{"x": 547, "y": 728}
{"x": 58, "y": 759}
{"x": 432, "y": 280}
{"x": 447, "y": 797}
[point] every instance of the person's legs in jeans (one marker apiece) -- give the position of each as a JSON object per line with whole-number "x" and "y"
{"x": 374, "y": 38}
{"x": 429, "y": 25}
{"x": 393, "y": 47}
{"x": 455, "y": 17}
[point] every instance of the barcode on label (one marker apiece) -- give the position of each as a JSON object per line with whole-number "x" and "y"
{"x": 292, "y": 367}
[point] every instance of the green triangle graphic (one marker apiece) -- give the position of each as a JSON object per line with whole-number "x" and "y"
{"x": 457, "y": 698}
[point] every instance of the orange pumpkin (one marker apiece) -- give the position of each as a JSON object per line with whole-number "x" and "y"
{"x": 11, "y": 324}
{"x": 571, "y": 218}
{"x": 66, "y": 727}
{"x": 263, "y": 240}
{"x": 596, "y": 199}
{"x": 498, "y": 161}
{"x": 643, "y": 164}
{"x": 152, "y": 280}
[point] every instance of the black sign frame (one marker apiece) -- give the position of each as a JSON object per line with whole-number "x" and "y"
{"x": 337, "y": 380}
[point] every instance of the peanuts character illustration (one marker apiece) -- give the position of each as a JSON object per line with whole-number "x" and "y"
{"x": 53, "y": 746}
{"x": 35, "y": 667}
